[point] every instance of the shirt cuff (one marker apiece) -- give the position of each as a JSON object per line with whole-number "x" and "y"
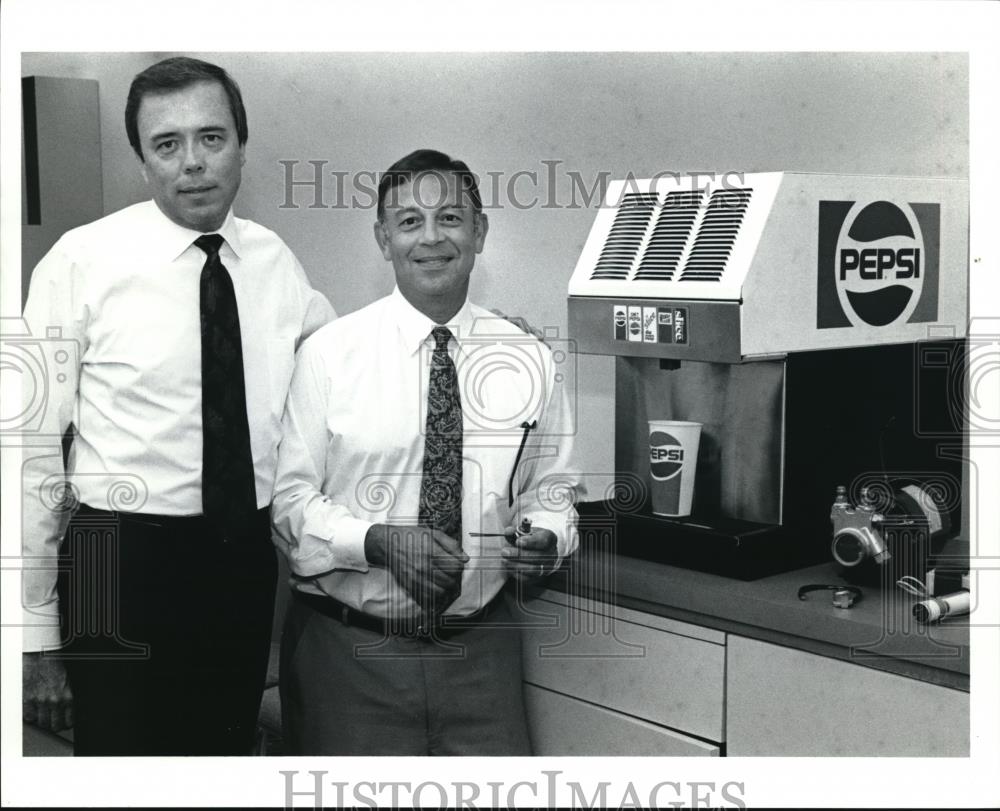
{"x": 326, "y": 544}
{"x": 351, "y": 534}
{"x": 40, "y": 628}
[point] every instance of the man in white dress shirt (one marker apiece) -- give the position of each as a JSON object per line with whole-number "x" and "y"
{"x": 419, "y": 432}
{"x": 181, "y": 322}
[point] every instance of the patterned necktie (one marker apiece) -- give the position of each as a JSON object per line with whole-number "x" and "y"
{"x": 229, "y": 497}
{"x": 441, "y": 485}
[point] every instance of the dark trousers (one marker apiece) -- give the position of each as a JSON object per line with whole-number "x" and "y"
{"x": 166, "y": 629}
{"x": 351, "y": 691}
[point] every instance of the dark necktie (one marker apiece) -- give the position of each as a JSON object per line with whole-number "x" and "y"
{"x": 229, "y": 496}
{"x": 441, "y": 485}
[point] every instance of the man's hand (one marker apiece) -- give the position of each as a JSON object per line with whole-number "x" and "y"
{"x": 46, "y": 700}
{"x": 427, "y": 563}
{"x": 530, "y": 556}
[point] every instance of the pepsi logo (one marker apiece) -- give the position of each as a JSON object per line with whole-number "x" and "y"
{"x": 878, "y": 264}
{"x": 634, "y": 323}
{"x": 620, "y": 318}
{"x": 666, "y": 456}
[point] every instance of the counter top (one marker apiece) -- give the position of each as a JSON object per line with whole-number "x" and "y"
{"x": 878, "y": 631}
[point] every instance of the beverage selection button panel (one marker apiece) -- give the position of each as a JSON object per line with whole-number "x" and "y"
{"x": 660, "y": 324}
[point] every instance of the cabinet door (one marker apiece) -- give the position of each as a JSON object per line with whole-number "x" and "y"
{"x": 667, "y": 677}
{"x": 786, "y": 702}
{"x": 561, "y": 725}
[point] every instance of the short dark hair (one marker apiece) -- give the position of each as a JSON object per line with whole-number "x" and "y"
{"x": 177, "y": 73}
{"x": 426, "y": 160}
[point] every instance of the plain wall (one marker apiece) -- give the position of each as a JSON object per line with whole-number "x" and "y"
{"x": 507, "y": 112}
{"x": 67, "y": 143}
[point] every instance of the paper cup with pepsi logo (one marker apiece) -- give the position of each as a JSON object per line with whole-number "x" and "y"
{"x": 673, "y": 455}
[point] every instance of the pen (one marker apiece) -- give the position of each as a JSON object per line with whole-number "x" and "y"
{"x": 523, "y": 529}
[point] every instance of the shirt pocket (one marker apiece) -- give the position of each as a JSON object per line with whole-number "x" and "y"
{"x": 494, "y": 461}
{"x": 505, "y": 403}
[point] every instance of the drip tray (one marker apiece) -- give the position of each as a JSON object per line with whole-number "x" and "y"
{"x": 729, "y": 547}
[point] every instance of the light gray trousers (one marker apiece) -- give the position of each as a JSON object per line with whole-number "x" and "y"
{"x": 350, "y": 691}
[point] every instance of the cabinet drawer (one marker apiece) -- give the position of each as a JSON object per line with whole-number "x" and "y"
{"x": 563, "y": 726}
{"x": 787, "y": 702}
{"x": 668, "y": 678}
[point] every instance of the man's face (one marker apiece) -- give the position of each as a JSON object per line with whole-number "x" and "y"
{"x": 192, "y": 159}
{"x": 431, "y": 233}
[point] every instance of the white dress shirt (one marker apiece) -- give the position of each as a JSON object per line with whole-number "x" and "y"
{"x": 352, "y": 448}
{"x": 117, "y": 304}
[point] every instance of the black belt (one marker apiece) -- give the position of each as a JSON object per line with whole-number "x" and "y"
{"x": 443, "y": 627}
{"x": 174, "y": 523}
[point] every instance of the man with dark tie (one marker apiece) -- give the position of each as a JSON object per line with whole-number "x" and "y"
{"x": 420, "y": 433}
{"x": 184, "y": 321}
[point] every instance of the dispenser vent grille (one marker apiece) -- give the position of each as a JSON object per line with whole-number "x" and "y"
{"x": 684, "y": 236}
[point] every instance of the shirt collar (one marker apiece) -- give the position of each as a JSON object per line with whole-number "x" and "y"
{"x": 170, "y": 240}
{"x": 415, "y": 327}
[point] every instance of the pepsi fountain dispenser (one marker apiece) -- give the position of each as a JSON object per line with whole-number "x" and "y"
{"x": 812, "y": 324}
